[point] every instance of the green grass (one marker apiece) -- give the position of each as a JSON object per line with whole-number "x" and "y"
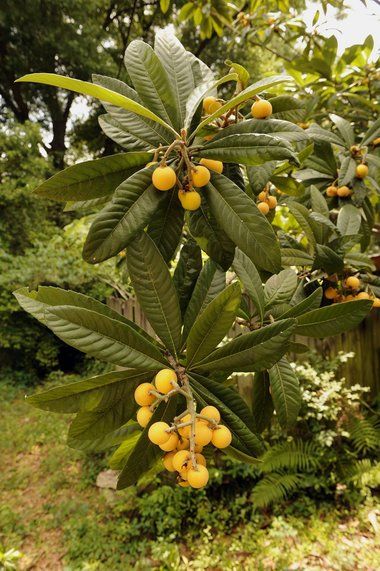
{"x": 54, "y": 514}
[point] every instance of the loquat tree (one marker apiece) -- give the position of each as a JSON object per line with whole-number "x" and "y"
{"x": 197, "y": 174}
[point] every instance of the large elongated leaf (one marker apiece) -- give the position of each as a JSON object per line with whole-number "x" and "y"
{"x": 274, "y": 127}
{"x": 260, "y": 175}
{"x": 313, "y": 301}
{"x": 248, "y": 93}
{"x": 308, "y": 225}
{"x": 233, "y": 410}
{"x": 152, "y": 83}
{"x": 187, "y": 270}
{"x": 372, "y": 133}
{"x": 102, "y": 93}
{"x": 155, "y": 290}
{"x": 349, "y": 220}
{"x": 103, "y": 338}
{"x": 92, "y": 179}
{"x": 285, "y": 392}
{"x": 317, "y": 133}
{"x": 174, "y": 59}
{"x": 345, "y": 129}
{"x": 254, "y": 351}
{"x": 251, "y": 280}
{"x": 132, "y": 206}
{"x": 212, "y": 324}
{"x": 140, "y": 128}
{"x": 280, "y": 287}
{"x": 99, "y": 442}
{"x": 295, "y": 257}
{"x": 347, "y": 171}
{"x": 249, "y": 149}
{"x": 165, "y": 228}
{"x": 262, "y": 403}
{"x": 334, "y": 319}
{"x": 145, "y": 453}
{"x": 94, "y": 394}
{"x": 210, "y": 283}
{"x": 241, "y": 220}
{"x": 117, "y": 132}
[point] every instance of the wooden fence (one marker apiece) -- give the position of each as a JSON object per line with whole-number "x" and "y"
{"x": 364, "y": 341}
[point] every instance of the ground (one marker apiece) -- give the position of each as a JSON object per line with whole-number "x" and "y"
{"x": 52, "y": 511}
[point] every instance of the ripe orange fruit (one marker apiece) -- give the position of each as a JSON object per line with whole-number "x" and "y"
{"x": 164, "y": 178}
{"x": 190, "y": 200}
{"x": 180, "y": 459}
{"x": 361, "y": 171}
{"x": 203, "y": 434}
{"x": 221, "y": 437}
{"x": 363, "y": 295}
{"x": 261, "y": 109}
{"x": 198, "y": 477}
{"x": 344, "y": 191}
{"x": 215, "y": 106}
{"x": 207, "y": 101}
{"x": 163, "y": 380}
{"x": 262, "y": 196}
{"x": 272, "y": 202}
{"x": 171, "y": 444}
{"x": 183, "y": 444}
{"x": 331, "y": 293}
{"x": 144, "y": 414}
{"x": 331, "y": 191}
{"x": 216, "y": 166}
{"x": 376, "y": 302}
{"x": 158, "y": 433}
{"x": 143, "y": 396}
{"x": 211, "y": 412}
{"x": 263, "y": 207}
{"x": 353, "y": 282}
{"x": 200, "y": 176}
{"x": 168, "y": 461}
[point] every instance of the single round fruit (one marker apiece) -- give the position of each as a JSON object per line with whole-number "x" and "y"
{"x": 163, "y": 380}
{"x": 344, "y": 191}
{"x": 143, "y": 397}
{"x": 200, "y": 459}
{"x": 150, "y": 164}
{"x": 331, "y": 293}
{"x": 215, "y": 106}
{"x": 144, "y": 414}
{"x": 363, "y": 295}
{"x": 171, "y": 444}
{"x": 331, "y": 191}
{"x": 349, "y": 297}
{"x": 263, "y": 207}
{"x": 261, "y": 109}
{"x": 353, "y": 282}
{"x": 158, "y": 433}
{"x": 183, "y": 444}
{"x": 198, "y": 477}
{"x": 168, "y": 461}
{"x": 216, "y": 166}
{"x": 262, "y": 196}
{"x": 200, "y": 176}
{"x": 221, "y": 437}
{"x": 180, "y": 459}
{"x": 190, "y": 200}
{"x": 207, "y": 101}
{"x": 164, "y": 178}
{"x": 376, "y": 302}
{"x": 272, "y": 202}
{"x": 376, "y": 142}
{"x": 203, "y": 434}
{"x": 361, "y": 171}
{"x": 211, "y": 412}
{"x": 184, "y": 484}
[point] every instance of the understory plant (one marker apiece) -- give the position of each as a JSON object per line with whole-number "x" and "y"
{"x": 191, "y": 179}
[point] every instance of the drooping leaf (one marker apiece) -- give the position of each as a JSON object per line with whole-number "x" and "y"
{"x": 131, "y": 208}
{"x": 212, "y": 324}
{"x": 287, "y": 107}
{"x": 349, "y": 220}
{"x": 262, "y": 403}
{"x": 328, "y": 260}
{"x": 92, "y": 179}
{"x": 318, "y": 202}
{"x": 285, "y": 392}
{"x": 302, "y": 216}
{"x": 120, "y": 457}
{"x": 280, "y": 287}
{"x": 155, "y": 290}
{"x": 274, "y": 127}
{"x": 313, "y": 301}
{"x": 345, "y": 129}
{"x": 165, "y": 228}
{"x": 295, "y": 257}
{"x": 100, "y": 442}
{"x": 116, "y": 131}
{"x": 251, "y": 280}
{"x": 241, "y": 220}
{"x": 252, "y": 351}
{"x": 260, "y": 175}
{"x": 346, "y": 171}
{"x": 187, "y": 271}
{"x": 317, "y": 133}
{"x": 332, "y": 320}
{"x": 210, "y": 283}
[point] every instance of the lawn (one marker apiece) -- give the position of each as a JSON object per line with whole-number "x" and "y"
{"x": 52, "y": 511}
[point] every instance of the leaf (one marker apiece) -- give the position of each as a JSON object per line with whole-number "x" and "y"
{"x": 372, "y": 133}
{"x": 262, "y": 404}
{"x": 165, "y": 228}
{"x": 288, "y": 185}
{"x": 210, "y": 283}
{"x": 316, "y": 133}
{"x": 102, "y": 93}
{"x": 103, "y": 338}
{"x": 260, "y": 175}
{"x": 98, "y": 443}
{"x": 155, "y": 290}
{"x": 152, "y": 82}
{"x": 347, "y": 171}
{"x": 131, "y": 208}
{"x": 293, "y": 257}
{"x": 212, "y": 324}
{"x": 92, "y": 179}
{"x": 285, "y": 392}
{"x": 251, "y": 280}
{"x": 289, "y": 108}
{"x": 173, "y": 57}
{"x": 94, "y": 394}
{"x": 233, "y": 410}
{"x": 345, "y": 129}
{"x": 187, "y": 271}
{"x": 250, "y": 149}
{"x": 275, "y": 127}
{"x": 302, "y": 216}
{"x": 120, "y": 457}
{"x": 252, "y": 351}
{"x": 211, "y": 237}
{"x": 280, "y": 287}
{"x": 313, "y": 301}
{"x": 145, "y": 453}
{"x": 241, "y": 220}
{"x": 115, "y": 130}
{"x": 248, "y": 93}
{"x": 359, "y": 261}
{"x": 318, "y": 202}
{"x": 332, "y": 320}
{"x": 349, "y": 220}
{"x": 328, "y": 260}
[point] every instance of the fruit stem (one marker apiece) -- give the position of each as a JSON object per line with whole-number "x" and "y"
{"x": 172, "y": 146}
{"x": 208, "y": 419}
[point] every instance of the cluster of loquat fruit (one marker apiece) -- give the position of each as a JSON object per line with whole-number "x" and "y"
{"x": 348, "y": 290}
{"x": 266, "y": 202}
{"x": 164, "y": 177}
{"x": 184, "y": 440}
{"x": 361, "y": 172}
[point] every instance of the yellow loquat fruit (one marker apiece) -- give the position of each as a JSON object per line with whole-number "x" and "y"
{"x": 263, "y": 207}
{"x": 164, "y": 178}
{"x": 198, "y": 477}
{"x": 221, "y": 437}
{"x": 361, "y": 171}
{"x": 261, "y": 109}
{"x": 143, "y": 397}
{"x": 353, "y": 282}
{"x": 144, "y": 414}
{"x": 190, "y": 200}
{"x": 158, "y": 433}
{"x": 200, "y": 176}
{"x": 171, "y": 444}
{"x": 164, "y": 379}
{"x": 216, "y": 166}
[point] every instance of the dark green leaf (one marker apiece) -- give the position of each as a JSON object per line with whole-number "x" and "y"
{"x": 285, "y": 392}
{"x": 313, "y": 301}
{"x": 262, "y": 404}
{"x": 165, "y": 228}
{"x": 187, "y": 271}
{"x": 251, "y": 280}
{"x": 349, "y": 220}
{"x": 280, "y": 287}
{"x": 334, "y": 319}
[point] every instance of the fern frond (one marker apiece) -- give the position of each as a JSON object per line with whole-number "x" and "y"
{"x": 275, "y": 487}
{"x": 296, "y": 455}
{"x": 365, "y": 434}
{"x": 364, "y": 474}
